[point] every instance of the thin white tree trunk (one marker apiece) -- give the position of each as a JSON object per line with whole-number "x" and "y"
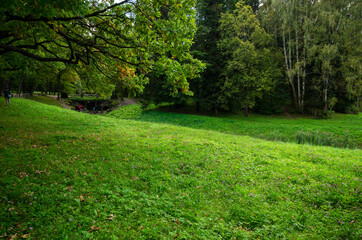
{"x": 297, "y": 66}
{"x": 288, "y": 67}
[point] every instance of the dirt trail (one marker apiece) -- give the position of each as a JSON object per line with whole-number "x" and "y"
{"x": 61, "y": 101}
{"x": 125, "y": 102}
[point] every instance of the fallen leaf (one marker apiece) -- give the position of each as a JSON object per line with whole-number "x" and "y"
{"x": 26, "y": 235}
{"x": 81, "y": 198}
{"x": 93, "y": 228}
{"x": 111, "y": 217}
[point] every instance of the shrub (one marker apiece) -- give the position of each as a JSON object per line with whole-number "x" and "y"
{"x": 352, "y": 109}
{"x": 322, "y": 138}
{"x": 127, "y": 112}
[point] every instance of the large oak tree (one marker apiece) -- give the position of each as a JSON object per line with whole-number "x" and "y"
{"x": 108, "y": 35}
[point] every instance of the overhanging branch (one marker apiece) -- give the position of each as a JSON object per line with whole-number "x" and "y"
{"x": 34, "y": 56}
{"x": 10, "y": 17}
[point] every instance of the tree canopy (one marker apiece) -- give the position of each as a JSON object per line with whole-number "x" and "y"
{"x": 249, "y": 70}
{"x": 302, "y": 56}
{"x": 108, "y": 35}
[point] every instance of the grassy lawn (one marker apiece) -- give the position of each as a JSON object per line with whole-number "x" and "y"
{"x": 70, "y": 175}
{"x": 341, "y": 131}
{"x": 46, "y": 100}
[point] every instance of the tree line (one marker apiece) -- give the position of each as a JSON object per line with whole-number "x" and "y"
{"x": 301, "y": 56}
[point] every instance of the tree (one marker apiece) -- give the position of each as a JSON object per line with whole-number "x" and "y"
{"x": 249, "y": 70}
{"x": 103, "y": 33}
{"x": 207, "y": 88}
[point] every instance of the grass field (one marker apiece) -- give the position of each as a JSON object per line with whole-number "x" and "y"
{"x": 69, "y": 175}
{"x": 46, "y": 100}
{"x": 341, "y": 131}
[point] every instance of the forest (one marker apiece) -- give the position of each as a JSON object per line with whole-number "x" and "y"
{"x": 267, "y": 56}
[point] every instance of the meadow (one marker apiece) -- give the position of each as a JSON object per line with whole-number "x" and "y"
{"x": 71, "y": 175}
{"x": 46, "y": 100}
{"x": 342, "y": 130}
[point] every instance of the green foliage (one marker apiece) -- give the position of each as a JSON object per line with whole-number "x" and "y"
{"x": 249, "y": 70}
{"x": 121, "y": 41}
{"x": 133, "y": 112}
{"x": 321, "y": 53}
{"x": 93, "y": 177}
{"x": 207, "y": 88}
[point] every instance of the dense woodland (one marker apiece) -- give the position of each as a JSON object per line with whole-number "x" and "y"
{"x": 268, "y": 56}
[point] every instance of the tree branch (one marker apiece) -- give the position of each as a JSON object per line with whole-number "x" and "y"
{"x": 34, "y": 56}
{"x": 10, "y": 17}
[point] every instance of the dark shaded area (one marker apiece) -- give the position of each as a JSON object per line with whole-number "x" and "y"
{"x": 96, "y": 105}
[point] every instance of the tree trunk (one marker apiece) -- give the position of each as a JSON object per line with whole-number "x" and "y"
{"x": 358, "y": 104}
{"x": 5, "y": 85}
{"x": 21, "y": 84}
{"x": 288, "y": 69}
{"x": 197, "y": 93}
{"x": 304, "y": 72}
{"x": 59, "y": 75}
{"x": 297, "y": 66}
{"x": 276, "y": 39}
{"x": 291, "y": 73}
{"x": 325, "y": 97}
{"x": 246, "y": 112}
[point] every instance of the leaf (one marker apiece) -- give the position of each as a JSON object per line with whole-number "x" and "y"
{"x": 94, "y": 228}
{"x": 26, "y": 235}
{"x": 111, "y": 217}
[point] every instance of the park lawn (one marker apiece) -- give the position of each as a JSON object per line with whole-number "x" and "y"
{"x": 342, "y": 130}
{"x": 70, "y": 175}
{"x": 46, "y": 100}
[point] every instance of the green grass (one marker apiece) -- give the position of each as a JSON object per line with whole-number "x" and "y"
{"x": 342, "y": 130}
{"x": 70, "y": 175}
{"x": 46, "y": 100}
{"x": 127, "y": 112}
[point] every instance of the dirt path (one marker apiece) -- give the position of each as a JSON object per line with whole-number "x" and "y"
{"x": 125, "y": 102}
{"x": 61, "y": 101}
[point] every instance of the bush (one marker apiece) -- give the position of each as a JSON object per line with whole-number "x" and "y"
{"x": 352, "y": 109}
{"x": 127, "y": 112}
{"x": 322, "y": 138}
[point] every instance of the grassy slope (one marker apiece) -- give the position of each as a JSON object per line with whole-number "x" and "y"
{"x": 68, "y": 175}
{"x": 46, "y": 100}
{"x": 340, "y": 131}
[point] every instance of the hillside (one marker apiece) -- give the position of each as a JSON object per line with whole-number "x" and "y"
{"x": 343, "y": 130}
{"x": 69, "y": 175}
